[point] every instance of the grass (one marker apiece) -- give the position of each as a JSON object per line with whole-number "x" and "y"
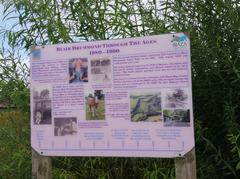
{"x": 133, "y": 102}
{"x": 15, "y": 158}
{"x": 15, "y": 150}
{"x": 100, "y": 111}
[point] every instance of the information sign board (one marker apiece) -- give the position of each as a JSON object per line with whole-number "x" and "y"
{"x": 130, "y": 97}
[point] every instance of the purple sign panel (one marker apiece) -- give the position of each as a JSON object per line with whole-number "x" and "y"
{"x": 130, "y": 97}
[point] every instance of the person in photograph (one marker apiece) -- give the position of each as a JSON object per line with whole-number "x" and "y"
{"x": 106, "y": 78}
{"x": 95, "y": 105}
{"x": 65, "y": 126}
{"x": 77, "y": 73}
{"x": 96, "y": 100}
{"x": 70, "y": 128}
{"x": 38, "y": 117}
{"x": 92, "y": 104}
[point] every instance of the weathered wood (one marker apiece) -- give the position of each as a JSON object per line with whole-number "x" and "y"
{"x": 185, "y": 167}
{"x": 41, "y": 166}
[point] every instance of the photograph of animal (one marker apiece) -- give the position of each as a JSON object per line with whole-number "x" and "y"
{"x": 95, "y": 105}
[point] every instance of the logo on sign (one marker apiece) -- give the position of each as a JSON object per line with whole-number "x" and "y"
{"x": 179, "y": 41}
{"x": 36, "y": 53}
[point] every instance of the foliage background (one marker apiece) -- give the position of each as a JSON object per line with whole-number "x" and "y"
{"x": 214, "y": 30}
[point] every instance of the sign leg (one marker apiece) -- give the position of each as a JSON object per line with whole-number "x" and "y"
{"x": 185, "y": 167}
{"x": 41, "y": 166}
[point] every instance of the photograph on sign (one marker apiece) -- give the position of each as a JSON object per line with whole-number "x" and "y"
{"x": 95, "y": 105}
{"x": 65, "y": 126}
{"x": 125, "y": 98}
{"x": 78, "y": 70}
{"x": 146, "y": 106}
{"x": 175, "y": 98}
{"x": 176, "y": 117}
{"x": 42, "y": 108}
{"x": 101, "y": 70}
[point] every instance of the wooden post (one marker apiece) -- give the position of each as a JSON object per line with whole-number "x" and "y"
{"x": 185, "y": 167}
{"x": 41, "y": 166}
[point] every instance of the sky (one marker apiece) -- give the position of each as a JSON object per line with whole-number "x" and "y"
{"x": 7, "y": 25}
{"x": 3, "y": 24}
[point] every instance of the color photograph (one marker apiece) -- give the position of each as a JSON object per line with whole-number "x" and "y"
{"x": 155, "y": 61}
{"x": 146, "y": 106}
{"x": 176, "y": 118}
{"x": 78, "y": 70}
{"x": 95, "y": 105}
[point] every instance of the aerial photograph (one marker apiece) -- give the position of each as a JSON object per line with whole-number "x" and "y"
{"x": 146, "y": 106}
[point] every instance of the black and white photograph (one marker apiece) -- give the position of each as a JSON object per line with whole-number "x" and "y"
{"x": 175, "y": 98}
{"x": 176, "y": 117}
{"x": 78, "y": 70}
{"x": 101, "y": 70}
{"x": 42, "y": 110}
{"x": 66, "y": 126}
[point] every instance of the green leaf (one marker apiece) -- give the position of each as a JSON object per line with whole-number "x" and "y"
{"x": 238, "y": 166}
